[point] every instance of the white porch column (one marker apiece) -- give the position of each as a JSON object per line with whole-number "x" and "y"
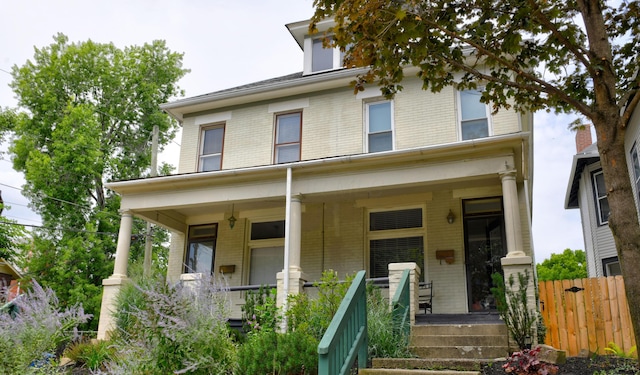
{"x": 513, "y": 229}
{"x": 112, "y": 285}
{"x": 295, "y": 234}
{"x": 124, "y": 243}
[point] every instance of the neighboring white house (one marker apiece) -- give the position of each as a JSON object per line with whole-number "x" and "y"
{"x": 586, "y": 191}
{"x": 432, "y": 178}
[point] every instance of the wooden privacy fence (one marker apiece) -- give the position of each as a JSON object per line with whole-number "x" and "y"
{"x": 586, "y": 314}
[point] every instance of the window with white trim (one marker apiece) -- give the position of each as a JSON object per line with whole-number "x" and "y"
{"x": 395, "y": 237}
{"x": 636, "y": 168}
{"x": 474, "y": 118}
{"x": 600, "y": 195}
{"x": 201, "y": 249}
{"x": 325, "y": 58}
{"x": 379, "y": 125}
{"x": 211, "y": 143}
{"x": 611, "y": 266}
{"x": 267, "y": 252}
{"x": 288, "y": 137}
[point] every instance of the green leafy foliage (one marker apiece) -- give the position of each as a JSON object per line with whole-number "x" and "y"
{"x": 13, "y": 240}
{"x": 86, "y": 114}
{"x": 291, "y": 353}
{"x": 570, "y": 265}
{"x": 615, "y": 349}
{"x": 260, "y": 312}
{"x": 512, "y": 304}
{"x": 92, "y": 355}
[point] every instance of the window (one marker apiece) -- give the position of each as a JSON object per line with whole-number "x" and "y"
{"x": 288, "y": 132}
{"x": 324, "y": 58}
{"x": 636, "y": 168}
{"x": 394, "y": 237}
{"x": 201, "y": 249}
{"x": 600, "y": 194}
{"x": 267, "y": 252}
{"x": 474, "y": 122}
{"x": 379, "y": 126}
{"x": 211, "y": 139}
{"x": 611, "y": 266}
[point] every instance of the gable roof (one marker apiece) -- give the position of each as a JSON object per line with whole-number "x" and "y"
{"x": 588, "y": 156}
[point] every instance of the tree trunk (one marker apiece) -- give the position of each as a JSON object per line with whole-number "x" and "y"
{"x": 623, "y": 220}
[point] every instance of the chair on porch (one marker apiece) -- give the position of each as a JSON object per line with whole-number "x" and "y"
{"x": 425, "y": 296}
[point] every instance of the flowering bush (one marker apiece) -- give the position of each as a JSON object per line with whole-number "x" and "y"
{"x": 526, "y": 362}
{"x": 36, "y": 330}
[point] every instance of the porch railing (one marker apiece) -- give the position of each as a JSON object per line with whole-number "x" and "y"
{"x": 401, "y": 305}
{"x": 346, "y": 336}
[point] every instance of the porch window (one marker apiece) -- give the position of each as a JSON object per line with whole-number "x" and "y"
{"x": 474, "y": 121}
{"x": 379, "y": 118}
{"x": 201, "y": 249}
{"x": 288, "y": 136}
{"x": 266, "y": 257}
{"x": 395, "y": 237}
{"x": 600, "y": 195}
{"x": 211, "y": 141}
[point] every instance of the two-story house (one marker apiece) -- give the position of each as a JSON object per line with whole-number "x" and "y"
{"x": 281, "y": 179}
{"x": 586, "y": 191}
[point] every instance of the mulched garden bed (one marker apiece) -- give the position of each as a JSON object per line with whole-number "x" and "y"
{"x": 596, "y": 365}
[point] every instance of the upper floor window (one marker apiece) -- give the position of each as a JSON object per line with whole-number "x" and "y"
{"x": 201, "y": 249}
{"x": 600, "y": 194}
{"x": 379, "y": 126}
{"x": 474, "y": 121}
{"x": 321, "y": 58}
{"x": 211, "y": 142}
{"x": 636, "y": 168}
{"x": 288, "y": 136}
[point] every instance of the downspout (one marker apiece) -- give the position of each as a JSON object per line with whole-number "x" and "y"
{"x": 287, "y": 231}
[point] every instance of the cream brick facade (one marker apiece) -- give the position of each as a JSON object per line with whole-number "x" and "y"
{"x": 336, "y": 182}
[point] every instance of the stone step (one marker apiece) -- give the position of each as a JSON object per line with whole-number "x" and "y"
{"x": 458, "y": 340}
{"x": 460, "y": 351}
{"x": 370, "y": 371}
{"x": 459, "y": 330}
{"x": 458, "y": 364}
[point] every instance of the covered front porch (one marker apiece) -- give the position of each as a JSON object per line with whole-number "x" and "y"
{"x": 456, "y": 212}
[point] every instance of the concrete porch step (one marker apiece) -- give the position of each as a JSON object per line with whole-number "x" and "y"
{"x": 458, "y": 340}
{"x": 460, "y": 351}
{"x": 473, "y": 365}
{"x": 460, "y": 330}
{"x": 414, "y": 372}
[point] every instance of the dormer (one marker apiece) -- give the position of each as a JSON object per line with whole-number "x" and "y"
{"x": 317, "y": 59}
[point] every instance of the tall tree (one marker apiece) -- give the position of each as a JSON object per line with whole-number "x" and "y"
{"x": 88, "y": 113}
{"x": 571, "y": 56}
{"x": 570, "y": 265}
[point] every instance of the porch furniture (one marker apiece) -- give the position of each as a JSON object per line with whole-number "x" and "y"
{"x": 425, "y": 296}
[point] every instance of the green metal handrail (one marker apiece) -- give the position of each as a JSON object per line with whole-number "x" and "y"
{"x": 401, "y": 305}
{"x": 346, "y": 336}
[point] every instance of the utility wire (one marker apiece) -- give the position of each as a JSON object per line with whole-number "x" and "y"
{"x": 61, "y": 229}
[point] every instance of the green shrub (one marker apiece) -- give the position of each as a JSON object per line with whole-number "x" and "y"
{"x": 290, "y": 353}
{"x": 512, "y": 305}
{"x": 385, "y": 341}
{"x": 92, "y": 355}
{"x": 260, "y": 311}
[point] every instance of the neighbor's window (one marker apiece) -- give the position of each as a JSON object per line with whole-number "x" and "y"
{"x": 379, "y": 124}
{"x": 201, "y": 249}
{"x": 288, "y": 135}
{"x": 636, "y": 168}
{"x": 474, "y": 122}
{"x": 395, "y": 237}
{"x": 211, "y": 141}
{"x": 600, "y": 194}
{"x": 611, "y": 266}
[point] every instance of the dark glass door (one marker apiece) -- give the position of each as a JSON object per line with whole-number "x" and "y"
{"x": 484, "y": 247}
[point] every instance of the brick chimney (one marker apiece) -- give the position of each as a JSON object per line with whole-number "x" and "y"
{"x": 583, "y": 138}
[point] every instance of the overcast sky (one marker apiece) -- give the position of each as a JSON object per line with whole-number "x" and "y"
{"x": 230, "y": 43}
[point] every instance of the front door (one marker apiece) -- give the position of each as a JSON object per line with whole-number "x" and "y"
{"x": 484, "y": 247}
